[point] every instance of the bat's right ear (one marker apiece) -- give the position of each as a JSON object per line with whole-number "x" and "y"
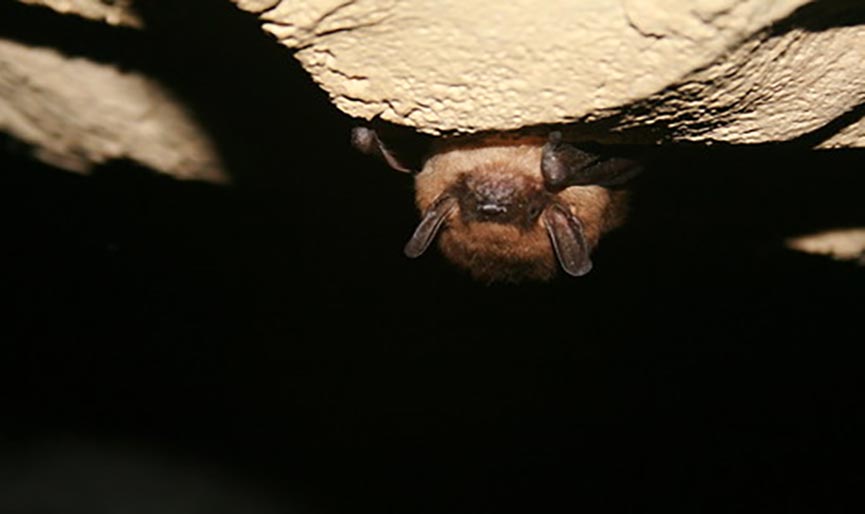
{"x": 367, "y": 141}
{"x": 429, "y": 226}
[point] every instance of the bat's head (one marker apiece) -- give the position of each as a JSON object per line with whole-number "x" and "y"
{"x": 502, "y": 208}
{"x": 495, "y": 215}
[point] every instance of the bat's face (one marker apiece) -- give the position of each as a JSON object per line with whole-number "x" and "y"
{"x": 504, "y": 209}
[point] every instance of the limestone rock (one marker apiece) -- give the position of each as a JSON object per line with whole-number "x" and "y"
{"x": 76, "y": 113}
{"x": 841, "y": 244}
{"x": 113, "y": 12}
{"x": 733, "y": 71}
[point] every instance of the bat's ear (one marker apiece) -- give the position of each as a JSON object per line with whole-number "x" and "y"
{"x": 404, "y": 151}
{"x": 569, "y": 242}
{"x": 429, "y": 226}
{"x": 564, "y": 165}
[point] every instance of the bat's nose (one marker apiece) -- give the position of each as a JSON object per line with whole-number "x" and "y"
{"x": 492, "y": 209}
{"x": 494, "y": 198}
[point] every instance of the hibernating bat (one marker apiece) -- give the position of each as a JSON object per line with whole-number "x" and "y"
{"x": 511, "y": 207}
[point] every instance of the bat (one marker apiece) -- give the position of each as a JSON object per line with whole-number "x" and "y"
{"x": 511, "y": 207}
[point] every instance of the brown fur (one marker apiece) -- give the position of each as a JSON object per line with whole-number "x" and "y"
{"x": 493, "y": 251}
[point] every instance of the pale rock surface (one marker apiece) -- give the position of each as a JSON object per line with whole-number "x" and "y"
{"x": 847, "y": 244}
{"x": 113, "y": 12}
{"x": 76, "y": 113}
{"x": 733, "y": 71}
{"x": 256, "y": 6}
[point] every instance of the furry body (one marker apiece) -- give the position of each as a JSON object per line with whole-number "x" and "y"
{"x": 510, "y": 207}
{"x": 514, "y": 250}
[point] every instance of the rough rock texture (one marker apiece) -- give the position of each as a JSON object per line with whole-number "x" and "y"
{"x": 736, "y": 71}
{"x": 733, "y": 71}
{"x": 113, "y": 12}
{"x": 841, "y": 244}
{"x": 257, "y": 6}
{"x": 77, "y": 113}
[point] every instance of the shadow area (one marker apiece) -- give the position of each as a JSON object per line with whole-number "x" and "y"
{"x": 280, "y": 336}
{"x": 820, "y": 15}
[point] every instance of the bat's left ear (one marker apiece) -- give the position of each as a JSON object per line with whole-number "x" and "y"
{"x": 569, "y": 241}
{"x": 367, "y": 141}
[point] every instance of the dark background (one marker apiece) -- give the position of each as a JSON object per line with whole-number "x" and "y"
{"x": 272, "y": 334}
